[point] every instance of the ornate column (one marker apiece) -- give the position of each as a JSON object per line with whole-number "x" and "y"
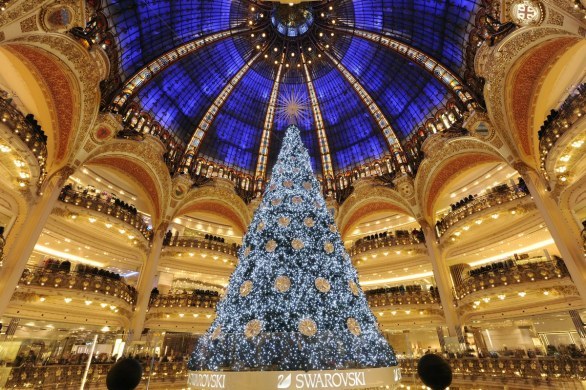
{"x": 146, "y": 282}
{"x": 441, "y": 274}
{"x": 564, "y": 231}
{"x": 20, "y": 244}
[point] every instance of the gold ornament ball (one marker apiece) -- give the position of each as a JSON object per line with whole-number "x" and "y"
{"x": 271, "y": 246}
{"x": 307, "y": 185}
{"x": 260, "y": 227}
{"x": 253, "y": 328}
{"x": 247, "y": 251}
{"x": 246, "y": 288}
{"x": 297, "y": 200}
{"x": 282, "y": 283}
{"x": 309, "y": 222}
{"x": 297, "y": 244}
{"x": 322, "y": 285}
{"x": 307, "y": 327}
{"x": 276, "y": 202}
{"x": 353, "y": 326}
{"x": 288, "y": 184}
{"x": 217, "y": 332}
{"x": 353, "y": 288}
{"x": 284, "y": 221}
{"x": 328, "y": 247}
{"x": 333, "y": 228}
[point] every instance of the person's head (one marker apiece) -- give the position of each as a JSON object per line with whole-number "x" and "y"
{"x": 124, "y": 375}
{"x": 434, "y": 371}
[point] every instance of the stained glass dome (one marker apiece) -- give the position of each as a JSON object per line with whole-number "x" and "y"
{"x": 363, "y": 75}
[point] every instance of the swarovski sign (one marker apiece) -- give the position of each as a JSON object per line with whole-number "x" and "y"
{"x": 387, "y": 377}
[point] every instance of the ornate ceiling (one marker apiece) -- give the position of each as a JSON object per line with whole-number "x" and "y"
{"x": 222, "y": 75}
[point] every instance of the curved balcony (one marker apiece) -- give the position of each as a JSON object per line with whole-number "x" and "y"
{"x": 560, "y": 121}
{"x": 197, "y": 243}
{"x": 106, "y": 207}
{"x": 397, "y": 298}
{"x": 70, "y": 376}
{"x": 510, "y": 275}
{"x": 198, "y": 299}
{"x": 364, "y": 245}
{"x": 87, "y": 281}
{"x": 499, "y": 196}
{"x": 506, "y": 368}
{"x": 32, "y": 136}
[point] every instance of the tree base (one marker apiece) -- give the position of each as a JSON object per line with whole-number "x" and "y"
{"x": 355, "y": 379}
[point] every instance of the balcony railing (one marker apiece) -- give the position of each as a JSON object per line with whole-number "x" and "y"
{"x": 80, "y": 281}
{"x": 397, "y": 298}
{"x": 199, "y": 299}
{"x": 542, "y": 369}
{"x": 69, "y": 376}
{"x": 364, "y": 245}
{"x": 560, "y": 121}
{"x": 32, "y": 136}
{"x": 517, "y": 273}
{"x": 106, "y": 207}
{"x": 197, "y": 243}
{"x": 499, "y": 196}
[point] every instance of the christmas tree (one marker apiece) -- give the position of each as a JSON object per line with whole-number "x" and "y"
{"x": 293, "y": 301}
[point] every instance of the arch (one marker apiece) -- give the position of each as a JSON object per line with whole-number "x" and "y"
{"x": 63, "y": 77}
{"x": 216, "y": 199}
{"x": 142, "y": 163}
{"x": 369, "y": 198}
{"x": 445, "y": 160}
{"x": 526, "y": 88}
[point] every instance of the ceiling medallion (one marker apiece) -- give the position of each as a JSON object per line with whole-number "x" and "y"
{"x": 328, "y": 247}
{"x": 354, "y": 326}
{"x": 282, "y": 283}
{"x": 246, "y": 288}
{"x": 307, "y": 327}
{"x": 309, "y": 222}
{"x": 297, "y": 244}
{"x": 527, "y": 12}
{"x": 354, "y": 288}
{"x": 217, "y": 332}
{"x": 253, "y": 328}
{"x": 271, "y": 246}
{"x": 322, "y": 285}
{"x": 284, "y": 221}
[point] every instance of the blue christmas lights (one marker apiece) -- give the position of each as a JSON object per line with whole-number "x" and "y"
{"x": 293, "y": 301}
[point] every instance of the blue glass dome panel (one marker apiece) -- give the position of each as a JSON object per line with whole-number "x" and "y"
{"x": 234, "y": 137}
{"x": 404, "y": 92}
{"x": 182, "y": 93}
{"x": 146, "y": 29}
{"x": 353, "y": 135}
{"x": 439, "y": 28}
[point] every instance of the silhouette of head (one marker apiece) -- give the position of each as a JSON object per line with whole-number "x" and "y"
{"x": 434, "y": 371}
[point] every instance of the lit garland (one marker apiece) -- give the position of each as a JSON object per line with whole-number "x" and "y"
{"x": 293, "y": 302}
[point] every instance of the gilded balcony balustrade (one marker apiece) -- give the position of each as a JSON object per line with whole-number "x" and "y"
{"x": 198, "y": 299}
{"x": 31, "y": 135}
{"x": 398, "y": 298}
{"x": 498, "y": 196}
{"x": 91, "y": 280}
{"x": 508, "y": 368}
{"x": 558, "y": 122}
{"x": 392, "y": 240}
{"x": 198, "y": 243}
{"x": 511, "y": 275}
{"x": 106, "y": 207}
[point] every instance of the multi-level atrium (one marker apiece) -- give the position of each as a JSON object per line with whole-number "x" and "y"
{"x": 137, "y": 138}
